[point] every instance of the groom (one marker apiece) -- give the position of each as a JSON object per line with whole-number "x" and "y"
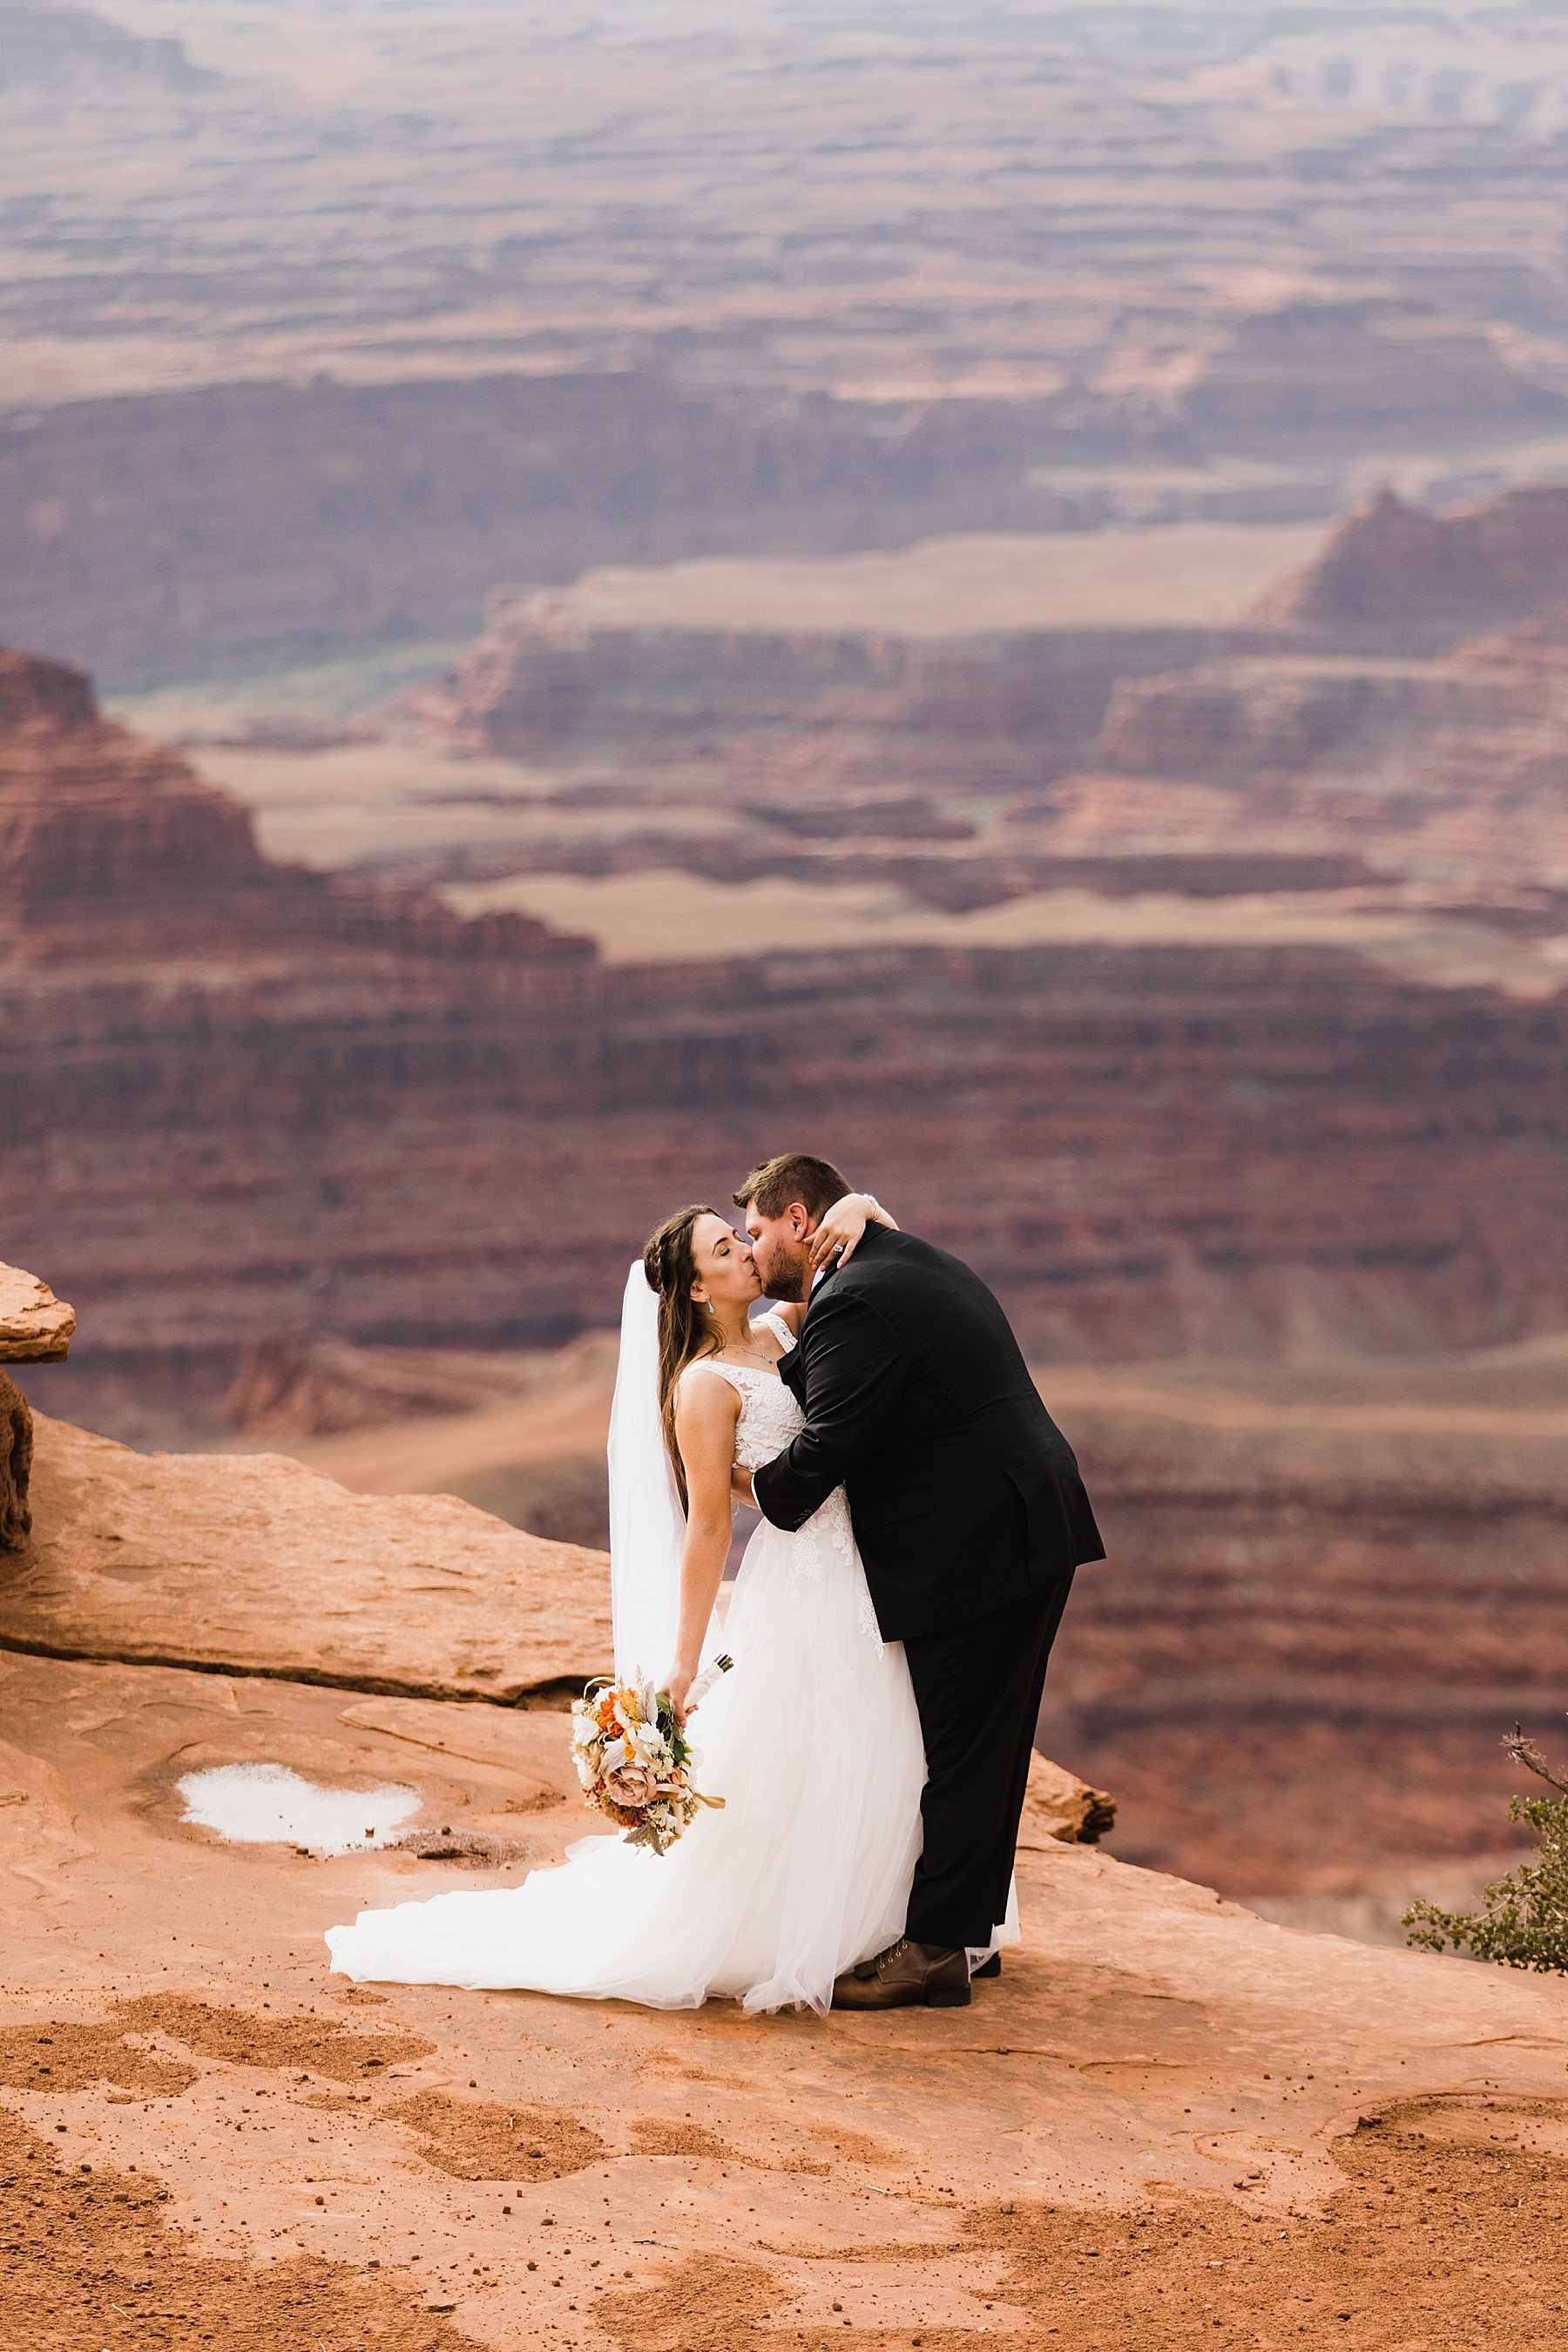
{"x": 971, "y": 1517}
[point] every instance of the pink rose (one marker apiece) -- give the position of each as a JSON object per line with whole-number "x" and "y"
{"x": 631, "y": 1785}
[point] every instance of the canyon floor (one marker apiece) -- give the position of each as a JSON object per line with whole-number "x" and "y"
{"x": 1168, "y": 2122}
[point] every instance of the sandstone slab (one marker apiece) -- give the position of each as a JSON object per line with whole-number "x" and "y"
{"x": 36, "y": 1326}
{"x": 255, "y": 1564}
{"x": 1167, "y": 2115}
{"x": 1060, "y": 1809}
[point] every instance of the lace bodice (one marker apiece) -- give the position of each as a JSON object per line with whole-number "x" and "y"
{"x": 824, "y": 1546}
{"x": 768, "y": 1416}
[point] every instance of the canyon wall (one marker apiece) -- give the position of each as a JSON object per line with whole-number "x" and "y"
{"x": 275, "y": 1102}
{"x": 1400, "y": 576}
{"x": 1327, "y": 1599}
{"x": 970, "y": 724}
{"x": 1144, "y": 1152}
{"x": 156, "y": 534}
{"x": 818, "y": 716}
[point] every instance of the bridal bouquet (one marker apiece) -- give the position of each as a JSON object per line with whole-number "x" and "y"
{"x": 634, "y": 1759}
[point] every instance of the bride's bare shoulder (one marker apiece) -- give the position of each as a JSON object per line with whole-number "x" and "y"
{"x": 704, "y": 1382}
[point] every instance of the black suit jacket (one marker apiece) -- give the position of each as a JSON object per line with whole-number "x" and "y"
{"x": 964, "y": 1493}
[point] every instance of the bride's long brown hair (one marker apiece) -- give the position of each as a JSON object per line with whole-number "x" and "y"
{"x": 683, "y": 1332}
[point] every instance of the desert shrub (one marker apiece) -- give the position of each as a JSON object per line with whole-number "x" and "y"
{"x": 1523, "y": 1922}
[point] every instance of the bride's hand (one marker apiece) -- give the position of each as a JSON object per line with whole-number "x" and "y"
{"x": 675, "y": 1686}
{"x": 837, "y": 1237}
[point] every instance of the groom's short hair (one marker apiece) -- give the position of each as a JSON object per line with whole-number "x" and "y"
{"x": 793, "y": 1176}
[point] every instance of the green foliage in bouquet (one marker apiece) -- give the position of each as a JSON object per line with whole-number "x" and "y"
{"x": 670, "y": 1725}
{"x": 1525, "y": 1923}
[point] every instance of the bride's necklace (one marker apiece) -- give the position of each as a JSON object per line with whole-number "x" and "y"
{"x": 751, "y": 1353}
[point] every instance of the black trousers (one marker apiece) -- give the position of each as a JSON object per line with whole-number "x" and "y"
{"x": 978, "y": 1688}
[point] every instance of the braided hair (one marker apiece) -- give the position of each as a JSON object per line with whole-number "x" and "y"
{"x": 683, "y": 1334}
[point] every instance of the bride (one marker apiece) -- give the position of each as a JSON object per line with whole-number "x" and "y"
{"x": 813, "y": 1740}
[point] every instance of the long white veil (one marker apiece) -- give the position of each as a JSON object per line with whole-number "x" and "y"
{"x": 648, "y": 1525}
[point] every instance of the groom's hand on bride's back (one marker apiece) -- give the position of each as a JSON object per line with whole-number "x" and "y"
{"x": 740, "y": 1487}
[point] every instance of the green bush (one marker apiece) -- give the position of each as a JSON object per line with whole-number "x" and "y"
{"x": 1524, "y": 1922}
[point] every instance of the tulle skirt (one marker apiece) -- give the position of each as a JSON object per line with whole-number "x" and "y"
{"x": 813, "y": 1741}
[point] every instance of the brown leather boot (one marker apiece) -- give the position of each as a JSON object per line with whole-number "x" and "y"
{"x": 905, "y": 1974}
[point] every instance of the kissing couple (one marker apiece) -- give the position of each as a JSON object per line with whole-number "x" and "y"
{"x": 889, "y": 1624}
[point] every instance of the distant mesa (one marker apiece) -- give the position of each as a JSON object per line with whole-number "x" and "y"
{"x": 973, "y": 662}
{"x": 1360, "y": 371}
{"x": 96, "y": 822}
{"x": 1539, "y": 645}
{"x": 1232, "y": 723}
{"x": 260, "y": 516}
{"x": 1421, "y": 580}
{"x": 47, "y": 48}
{"x": 89, "y": 810}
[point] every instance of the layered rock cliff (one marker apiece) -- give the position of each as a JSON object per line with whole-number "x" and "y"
{"x": 1434, "y": 749}
{"x": 1395, "y": 576}
{"x": 107, "y": 838}
{"x": 1357, "y": 374}
{"x": 263, "y": 1103}
{"x": 829, "y": 719}
{"x": 169, "y": 532}
{"x": 89, "y": 812}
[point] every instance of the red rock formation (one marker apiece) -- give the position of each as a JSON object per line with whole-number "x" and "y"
{"x": 88, "y": 811}
{"x": 101, "y": 832}
{"x": 167, "y": 531}
{"x": 1236, "y": 722}
{"x": 1393, "y": 577}
{"x": 1353, "y": 374}
{"x": 276, "y": 1106}
{"x": 1538, "y": 645}
{"x": 824, "y": 718}
{"x": 1327, "y": 1601}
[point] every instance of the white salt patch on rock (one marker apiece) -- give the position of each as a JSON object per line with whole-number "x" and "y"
{"x": 268, "y": 1805}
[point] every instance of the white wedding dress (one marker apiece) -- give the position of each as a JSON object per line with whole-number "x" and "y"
{"x": 813, "y": 1743}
